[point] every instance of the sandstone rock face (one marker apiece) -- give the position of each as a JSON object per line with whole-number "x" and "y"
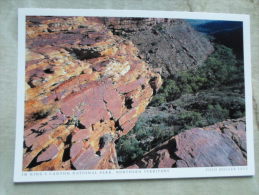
{"x": 169, "y": 44}
{"x": 222, "y": 144}
{"x": 85, "y": 87}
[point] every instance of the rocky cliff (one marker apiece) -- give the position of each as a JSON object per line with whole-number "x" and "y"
{"x": 222, "y": 144}
{"x": 85, "y": 87}
{"x": 88, "y": 80}
{"x": 171, "y": 45}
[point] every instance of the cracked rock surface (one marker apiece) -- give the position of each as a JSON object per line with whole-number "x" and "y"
{"x": 85, "y": 87}
{"x": 221, "y": 144}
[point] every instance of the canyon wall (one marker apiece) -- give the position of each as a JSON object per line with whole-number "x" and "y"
{"x": 170, "y": 45}
{"x": 89, "y": 79}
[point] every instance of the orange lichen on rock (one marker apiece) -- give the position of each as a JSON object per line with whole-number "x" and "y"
{"x": 85, "y": 87}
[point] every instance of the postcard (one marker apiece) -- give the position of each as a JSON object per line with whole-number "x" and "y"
{"x": 124, "y": 94}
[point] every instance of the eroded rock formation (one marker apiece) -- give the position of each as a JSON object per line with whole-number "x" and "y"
{"x": 85, "y": 87}
{"x": 222, "y": 144}
{"x": 170, "y": 45}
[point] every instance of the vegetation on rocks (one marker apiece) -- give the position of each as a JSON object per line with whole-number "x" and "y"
{"x": 221, "y": 69}
{"x": 195, "y": 98}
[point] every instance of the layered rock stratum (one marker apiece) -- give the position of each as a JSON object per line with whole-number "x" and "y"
{"x": 85, "y": 87}
{"x": 88, "y": 80}
{"x": 170, "y": 45}
{"x": 221, "y": 144}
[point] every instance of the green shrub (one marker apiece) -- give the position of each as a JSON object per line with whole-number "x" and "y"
{"x": 158, "y": 99}
{"x": 190, "y": 119}
{"x": 128, "y": 149}
{"x": 216, "y": 113}
{"x": 147, "y": 133}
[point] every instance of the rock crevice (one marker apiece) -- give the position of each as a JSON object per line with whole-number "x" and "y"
{"x": 83, "y": 92}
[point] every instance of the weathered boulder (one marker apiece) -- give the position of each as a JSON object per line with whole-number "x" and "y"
{"x": 222, "y": 144}
{"x": 85, "y": 88}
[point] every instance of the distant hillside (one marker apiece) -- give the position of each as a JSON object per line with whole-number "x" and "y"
{"x": 229, "y": 33}
{"x": 170, "y": 44}
{"x": 214, "y": 26}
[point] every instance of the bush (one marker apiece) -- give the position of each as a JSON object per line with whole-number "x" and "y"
{"x": 216, "y": 113}
{"x": 190, "y": 119}
{"x": 169, "y": 91}
{"x": 220, "y": 67}
{"x": 158, "y": 100}
{"x": 147, "y": 133}
{"x": 128, "y": 149}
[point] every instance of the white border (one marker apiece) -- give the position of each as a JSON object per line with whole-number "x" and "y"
{"x": 45, "y": 176}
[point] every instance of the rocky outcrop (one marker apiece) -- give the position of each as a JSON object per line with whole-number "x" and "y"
{"x": 222, "y": 144}
{"x": 85, "y": 88}
{"x": 170, "y": 44}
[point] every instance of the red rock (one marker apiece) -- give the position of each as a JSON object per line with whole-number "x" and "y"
{"x": 78, "y": 75}
{"x": 81, "y": 135}
{"x": 128, "y": 125}
{"x": 133, "y": 167}
{"x": 75, "y": 149}
{"x": 35, "y": 141}
{"x": 87, "y": 160}
{"x": 221, "y": 144}
{"x": 114, "y": 104}
{"x": 49, "y": 154}
{"x": 131, "y": 86}
{"x": 165, "y": 160}
{"x": 130, "y": 114}
{"x": 211, "y": 149}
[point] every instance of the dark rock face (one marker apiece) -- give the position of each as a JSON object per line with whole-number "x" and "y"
{"x": 169, "y": 44}
{"x": 222, "y": 144}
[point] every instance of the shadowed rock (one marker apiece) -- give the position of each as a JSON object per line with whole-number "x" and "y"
{"x": 170, "y": 44}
